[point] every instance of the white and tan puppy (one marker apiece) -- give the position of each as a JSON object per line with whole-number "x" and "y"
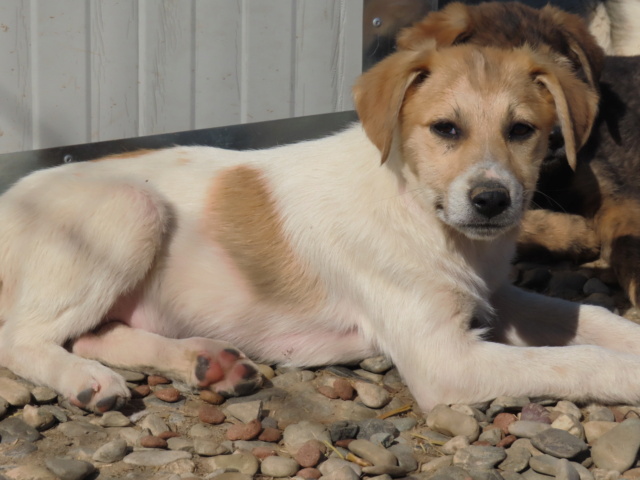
{"x": 393, "y": 237}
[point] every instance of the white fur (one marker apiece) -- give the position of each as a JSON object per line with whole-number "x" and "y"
{"x": 127, "y": 239}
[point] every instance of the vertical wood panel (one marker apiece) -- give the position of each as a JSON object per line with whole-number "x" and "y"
{"x": 60, "y": 51}
{"x": 267, "y": 70}
{"x": 166, "y": 64}
{"x": 113, "y": 69}
{"x": 218, "y": 38}
{"x": 324, "y": 70}
{"x": 15, "y": 76}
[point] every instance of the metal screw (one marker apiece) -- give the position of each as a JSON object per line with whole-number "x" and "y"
{"x": 377, "y": 22}
{"x": 67, "y": 158}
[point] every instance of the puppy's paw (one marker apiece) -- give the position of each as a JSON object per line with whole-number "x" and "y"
{"x": 100, "y": 391}
{"x": 226, "y": 371}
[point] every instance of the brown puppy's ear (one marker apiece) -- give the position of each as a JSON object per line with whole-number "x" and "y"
{"x": 576, "y": 105}
{"x": 379, "y": 93}
{"x": 446, "y": 27}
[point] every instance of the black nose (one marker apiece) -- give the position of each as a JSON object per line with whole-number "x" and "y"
{"x": 490, "y": 199}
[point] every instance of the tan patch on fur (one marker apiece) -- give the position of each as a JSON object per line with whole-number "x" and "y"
{"x": 242, "y": 217}
{"x": 183, "y": 161}
{"x": 133, "y": 154}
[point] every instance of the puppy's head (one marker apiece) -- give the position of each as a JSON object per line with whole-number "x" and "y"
{"x": 561, "y": 35}
{"x": 472, "y": 125}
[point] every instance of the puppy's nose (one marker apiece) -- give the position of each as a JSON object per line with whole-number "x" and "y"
{"x": 490, "y": 199}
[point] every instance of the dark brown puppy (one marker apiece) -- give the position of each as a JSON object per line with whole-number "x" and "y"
{"x": 590, "y": 193}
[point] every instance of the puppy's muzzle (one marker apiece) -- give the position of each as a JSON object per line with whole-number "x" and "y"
{"x": 489, "y": 199}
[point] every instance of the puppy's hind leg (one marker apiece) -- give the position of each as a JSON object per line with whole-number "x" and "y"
{"x": 69, "y": 247}
{"x": 198, "y": 362}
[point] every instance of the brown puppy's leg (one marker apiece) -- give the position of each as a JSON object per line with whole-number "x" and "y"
{"x": 197, "y": 362}
{"x": 549, "y": 234}
{"x": 618, "y": 224}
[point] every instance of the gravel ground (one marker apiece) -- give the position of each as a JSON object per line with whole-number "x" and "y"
{"x": 335, "y": 422}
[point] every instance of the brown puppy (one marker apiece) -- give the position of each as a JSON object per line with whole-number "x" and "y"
{"x": 592, "y": 206}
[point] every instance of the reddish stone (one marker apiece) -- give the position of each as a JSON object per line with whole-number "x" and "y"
{"x": 211, "y": 414}
{"x": 151, "y": 441}
{"x": 247, "y": 431}
{"x": 309, "y": 454}
{"x": 140, "y": 391}
{"x": 313, "y": 473}
{"x": 168, "y": 434}
{"x": 482, "y": 443}
{"x": 506, "y": 441}
{"x": 169, "y": 394}
{"x": 211, "y": 397}
{"x": 503, "y": 420}
{"x": 263, "y": 452}
{"x": 344, "y": 389}
{"x": 328, "y": 392}
{"x": 534, "y": 412}
{"x": 270, "y": 434}
{"x": 154, "y": 380}
{"x": 344, "y": 443}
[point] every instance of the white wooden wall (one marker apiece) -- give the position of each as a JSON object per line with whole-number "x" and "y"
{"x": 77, "y": 71}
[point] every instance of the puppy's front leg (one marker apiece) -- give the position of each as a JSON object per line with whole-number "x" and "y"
{"x": 444, "y": 361}
{"x": 530, "y": 319}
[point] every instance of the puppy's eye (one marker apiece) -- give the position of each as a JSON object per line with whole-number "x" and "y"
{"x": 520, "y": 131}
{"x": 446, "y": 130}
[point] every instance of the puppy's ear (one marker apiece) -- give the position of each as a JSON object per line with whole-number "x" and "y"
{"x": 447, "y": 26}
{"x": 379, "y": 93}
{"x": 576, "y": 105}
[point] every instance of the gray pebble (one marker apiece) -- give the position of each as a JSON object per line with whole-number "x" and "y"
{"x": 243, "y": 462}
{"x": 618, "y": 448}
{"x": 332, "y": 464}
{"x": 527, "y": 428}
{"x": 558, "y": 443}
{"x": 208, "y": 448}
{"x": 566, "y": 471}
{"x": 343, "y": 430}
{"x": 479, "y": 457}
{"x": 289, "y": 379}
{"x": 67, "y": 469}
{"x": 56, "y": 411}
{"x": 383, "y": 439}
{"x": 510, "y": 403}
{"x": 342, "y": 473}
{"x": 372, "y": 395}
{"x": 533, "y": 475}
{"x": 13, "y": 428}
{"x": 393, "y": 379}
{"x": 19, "y": 450}
{"x": 445, "y": 420}
{"x": 155, "y": 458}
{"x": 111, "y": 452}
{"x": 406, "y": 459}
{"x": 130, "y": 376}
{"x": 245, "y": 411}
{"x": 230, "y": 476}
{"x": 569, "y": 408}
{"x": 493, "y": 436}
{"x": 180, "y": 443}
{"x": 374, "y": 454}
{"x": 114, "y": 419}
{"x": 43, "y": 394}
{"x": 378, "y": 364}
{"x": 545, "y": 464}
{"x": 368, "y": 428}
{"x": 455, "y": 444}
{"x": 154, "y": 423}
{"x": 517, "y": 459}
{"x": 598, "y": 413}
{"x": 297, "y": 434}
{"x": 82, "y": 429}
{"x": 37, "y": 418}
{"x": 491, "y": 474}
{"x": 511, "y": 476}
{"x": 274, "y": 466}
{"x": 403, "y": 424}
{"x": 391, "y": 470}
{"x": 451, "y": 473}
{"x": 15, "y": 393}
{"x": 200, "y": 430}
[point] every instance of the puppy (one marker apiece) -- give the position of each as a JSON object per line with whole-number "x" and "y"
{"x": 392, "y": 237}
{"x": 591, "y": 206}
